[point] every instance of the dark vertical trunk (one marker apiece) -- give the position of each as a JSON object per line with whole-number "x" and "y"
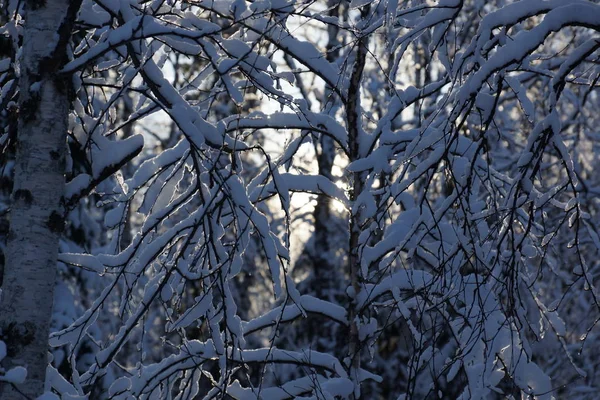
{"x": 354, "y": 122}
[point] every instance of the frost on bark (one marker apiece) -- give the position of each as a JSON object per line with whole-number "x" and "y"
{"x": 37, "y": 213}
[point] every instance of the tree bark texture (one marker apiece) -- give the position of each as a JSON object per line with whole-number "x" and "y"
{"x": 353, "y": 119}
{"x": 37, "y": 212}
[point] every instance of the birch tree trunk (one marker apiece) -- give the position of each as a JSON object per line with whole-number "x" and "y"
{"x": 37, "y": 212}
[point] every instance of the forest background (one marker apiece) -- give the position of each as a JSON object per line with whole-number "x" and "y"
{"x": 390, "y": 199}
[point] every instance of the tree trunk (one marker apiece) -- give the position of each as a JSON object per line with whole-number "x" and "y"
{"x": 324, "y": 264}
{"x": 37, "y": 212}
{"x": 353, "y": 120}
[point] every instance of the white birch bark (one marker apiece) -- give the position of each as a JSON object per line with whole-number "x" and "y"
{"x": 37, "y": 215}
